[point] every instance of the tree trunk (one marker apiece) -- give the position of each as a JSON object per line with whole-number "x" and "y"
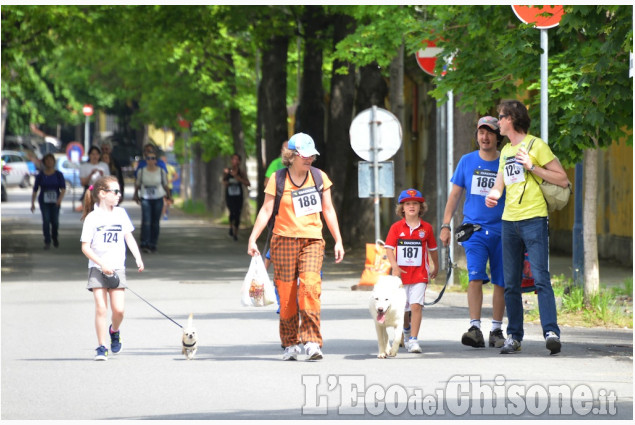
{"x": 215, "y": 190}
{"x": 238, "y": 135}
{"x": 589, "y": 224}
{"x": 272, "y": 105}
{"x": 310, "y": 114}
{"x": 338, "y": 152}
{"x": 396, "y": 98}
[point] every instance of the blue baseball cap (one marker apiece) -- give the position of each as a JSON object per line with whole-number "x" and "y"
{"x": 411, "y": 195}
{"x": 303, "y": 144}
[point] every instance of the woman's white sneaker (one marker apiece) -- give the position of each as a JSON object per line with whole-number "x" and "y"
{"x": 291, "y": 353}
{"x": 313, "y": 351}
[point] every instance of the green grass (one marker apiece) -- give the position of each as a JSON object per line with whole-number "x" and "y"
{"x": 194, "y": 207}
{"x": 606, "y": 308}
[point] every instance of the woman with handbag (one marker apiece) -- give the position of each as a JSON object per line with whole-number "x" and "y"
{"x": 525, "y": 225}
{"x": 297, "y": 245}
{"x": 106, "y": 231}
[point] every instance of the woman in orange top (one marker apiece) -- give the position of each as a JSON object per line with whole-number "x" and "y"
{"x": 297, "y": 246}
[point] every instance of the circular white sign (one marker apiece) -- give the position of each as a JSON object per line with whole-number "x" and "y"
{"x": 387, "y": 132}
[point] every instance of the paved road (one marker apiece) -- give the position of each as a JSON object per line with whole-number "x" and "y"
{"x": 48, "y": 343}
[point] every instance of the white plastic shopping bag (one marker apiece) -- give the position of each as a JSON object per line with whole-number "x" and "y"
{"x": 257, "y": 289}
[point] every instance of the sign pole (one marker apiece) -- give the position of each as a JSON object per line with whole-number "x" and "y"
{"x": 544, "y": 86}
{"x": 373, "y": 144}
{"x": 450, "y": 162}
{"x": 88, "y": 111}
{"x": 86, "y": 134}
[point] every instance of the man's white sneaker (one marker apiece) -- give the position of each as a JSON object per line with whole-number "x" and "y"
{"x": 553, "y": 342}
{"x": 313, "y": 351}
{"x": 291, "y": 353}
{"x": 413, "y": 346}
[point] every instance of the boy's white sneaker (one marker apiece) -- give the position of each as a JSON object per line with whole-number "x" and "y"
{"x": 413, "y": 346}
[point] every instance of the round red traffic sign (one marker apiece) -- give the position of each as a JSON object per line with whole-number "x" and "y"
{"x": 87, "y": 110}
{"x": 543, "y": 17}
{"x": 427, "y": 57}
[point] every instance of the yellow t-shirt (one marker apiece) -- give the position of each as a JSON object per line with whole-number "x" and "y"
{"x": 533, "y": 203}
{"x": 290, "y": 222}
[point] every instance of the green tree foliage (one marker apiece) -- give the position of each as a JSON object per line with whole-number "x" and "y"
{"x": 163, "y": 61}
{"x": 30, "y": 91}
{"x": 496, "y": 56}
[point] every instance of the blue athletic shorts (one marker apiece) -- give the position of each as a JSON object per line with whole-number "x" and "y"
{"x": 484, "y": 245}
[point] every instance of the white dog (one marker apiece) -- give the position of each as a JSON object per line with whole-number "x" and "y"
{"x": 387, "y": 307}
{"x": 190, "y": 340}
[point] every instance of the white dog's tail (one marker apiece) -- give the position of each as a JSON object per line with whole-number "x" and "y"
{"x": 189, "y": 320}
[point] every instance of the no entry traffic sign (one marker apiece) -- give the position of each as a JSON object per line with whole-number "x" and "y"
{"x": 87, "y": 110}
{"x": 543, "y": 17}
{"x": 427, "y": 56}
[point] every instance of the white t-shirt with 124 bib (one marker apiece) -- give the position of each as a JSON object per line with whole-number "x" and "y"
{"x": 105, "y": 230}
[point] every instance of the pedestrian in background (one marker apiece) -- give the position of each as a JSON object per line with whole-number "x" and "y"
{"x": 474, "y": 175}
{"x": 409, "y": 243}
{"x": 149, "y": 149}
{"x": 106, "y": 232}
{"x": 151, "y": 186}
{"x": 91, "y": 170}
{"x": 234, "y": 178}
{"x": 276, "y": 164}
{"x": 173, "y": 175}
{"x": 297, "y": 246}
{"x": 525, "y": 226}
{"x": 113, "y": 164}
{"x": 52, "y": 187}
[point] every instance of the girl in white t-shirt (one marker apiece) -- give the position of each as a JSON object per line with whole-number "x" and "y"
{"x": 106, "y": 232}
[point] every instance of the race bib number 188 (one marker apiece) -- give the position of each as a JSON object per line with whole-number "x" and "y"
{"x": 306, "y": 201}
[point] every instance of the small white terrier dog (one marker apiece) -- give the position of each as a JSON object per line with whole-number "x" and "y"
{"x": 190, "y": 339}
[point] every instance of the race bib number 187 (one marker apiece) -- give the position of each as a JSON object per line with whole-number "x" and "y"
{"x": 409, "y": 252}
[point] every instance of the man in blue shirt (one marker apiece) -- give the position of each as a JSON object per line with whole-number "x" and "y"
{"x": 475, "y": 175}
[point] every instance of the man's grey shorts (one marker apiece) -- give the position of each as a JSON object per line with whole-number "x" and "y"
{"x": 96, "y": 279}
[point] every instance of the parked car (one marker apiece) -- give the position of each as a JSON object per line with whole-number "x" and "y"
{"x": 15, "y": 169}
{"x": 69, "y": 169}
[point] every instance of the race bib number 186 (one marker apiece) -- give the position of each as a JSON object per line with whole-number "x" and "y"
{"x": 482, "y": 182}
